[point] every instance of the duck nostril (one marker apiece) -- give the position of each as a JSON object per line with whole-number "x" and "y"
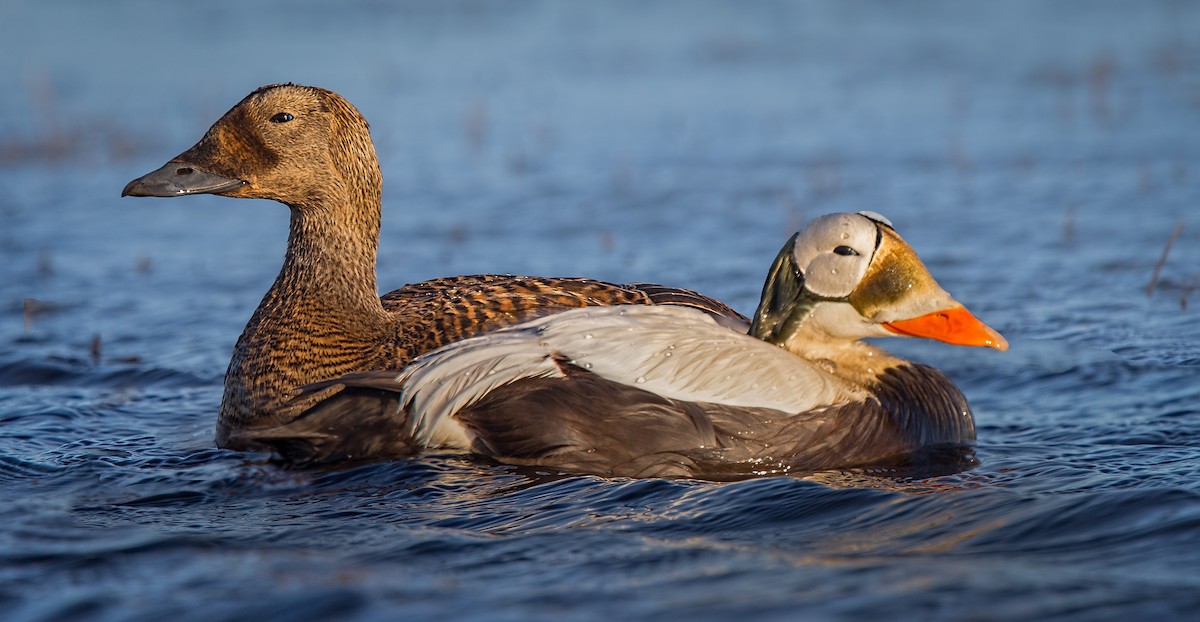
{"x": 184, "y": 170}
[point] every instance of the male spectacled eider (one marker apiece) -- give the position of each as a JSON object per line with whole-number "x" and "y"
{"x": 667, "y": 391}
{"x": 323, "y": 318}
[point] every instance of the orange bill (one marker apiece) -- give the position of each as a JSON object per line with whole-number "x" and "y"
{"x": 955, "y": 325}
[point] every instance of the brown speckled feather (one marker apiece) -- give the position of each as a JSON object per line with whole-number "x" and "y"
{"x": 448, "y": 309}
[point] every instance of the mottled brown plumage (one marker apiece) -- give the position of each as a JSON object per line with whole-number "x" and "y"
{"x": 322, "y": 318}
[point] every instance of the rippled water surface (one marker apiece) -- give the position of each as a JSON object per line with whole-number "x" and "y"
{"x": 1037, "y": 155}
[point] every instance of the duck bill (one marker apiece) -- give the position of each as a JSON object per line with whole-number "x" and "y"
{"x": 901, "y": 295}
{"x": 205, "y": 168}
{"x": 954, "y": 325}
{"x": 177, "y": 178}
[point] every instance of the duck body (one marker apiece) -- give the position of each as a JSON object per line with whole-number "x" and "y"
{"x": 669, "y": 392}
{"x": 323, "y": 317}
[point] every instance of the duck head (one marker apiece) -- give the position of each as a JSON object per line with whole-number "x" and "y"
{"x": 294, "y": 144}
{"x": 849, "y": 276}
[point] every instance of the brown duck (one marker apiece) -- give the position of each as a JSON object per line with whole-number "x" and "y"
{"x": 311, "y": 150}
{"x": 654, "y": 391}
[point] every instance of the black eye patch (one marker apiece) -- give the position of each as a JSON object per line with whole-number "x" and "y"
{"x": 282, "y": 117}
{"x": 845, "y": 251}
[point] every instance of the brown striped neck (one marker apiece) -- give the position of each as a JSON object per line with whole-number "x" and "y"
{"x": 329, "y": 264}
{"x": 311, "y": 150}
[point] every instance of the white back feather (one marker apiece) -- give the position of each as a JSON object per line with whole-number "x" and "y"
{"x": 440, "y": 383}
{"x": 672, "y": 351}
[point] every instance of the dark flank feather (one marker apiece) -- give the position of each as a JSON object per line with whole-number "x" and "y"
{"x": 585, "y": 423}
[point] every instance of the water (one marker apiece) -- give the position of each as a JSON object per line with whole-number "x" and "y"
{"x": 1037, "y": 155}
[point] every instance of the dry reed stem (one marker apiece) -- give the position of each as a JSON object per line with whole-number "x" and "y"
{"x": 1163, "y": 260}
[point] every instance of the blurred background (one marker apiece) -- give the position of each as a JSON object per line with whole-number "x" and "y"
{"x": 677, "y": 142}
{"x": 1042, "y": 157}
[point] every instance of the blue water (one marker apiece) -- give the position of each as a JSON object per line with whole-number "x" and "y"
{"x": 1037, "y": 155}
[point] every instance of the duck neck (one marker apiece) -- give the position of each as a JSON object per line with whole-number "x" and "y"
{"x": 329, "y": 266}
{"x": 322, "y": 318}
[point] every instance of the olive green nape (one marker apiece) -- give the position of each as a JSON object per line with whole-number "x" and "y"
{"x": 783, "y": 285}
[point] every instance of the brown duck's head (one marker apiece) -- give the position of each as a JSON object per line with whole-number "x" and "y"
{"x": 290, "y": 143}
{"x": 849, "y": 276}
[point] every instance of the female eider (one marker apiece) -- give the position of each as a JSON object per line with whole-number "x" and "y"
{"x": 323, "y": 318}
{"x": 668, "y": 392}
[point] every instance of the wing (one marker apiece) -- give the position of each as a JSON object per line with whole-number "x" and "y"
{"x": 672, "y": 352}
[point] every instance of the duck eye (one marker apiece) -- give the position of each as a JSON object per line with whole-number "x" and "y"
{"x": 282, "y": 117}
{"x": 845, "y": 251}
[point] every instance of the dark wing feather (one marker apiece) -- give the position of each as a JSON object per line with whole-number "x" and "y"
{"x": 588, "y": 424}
